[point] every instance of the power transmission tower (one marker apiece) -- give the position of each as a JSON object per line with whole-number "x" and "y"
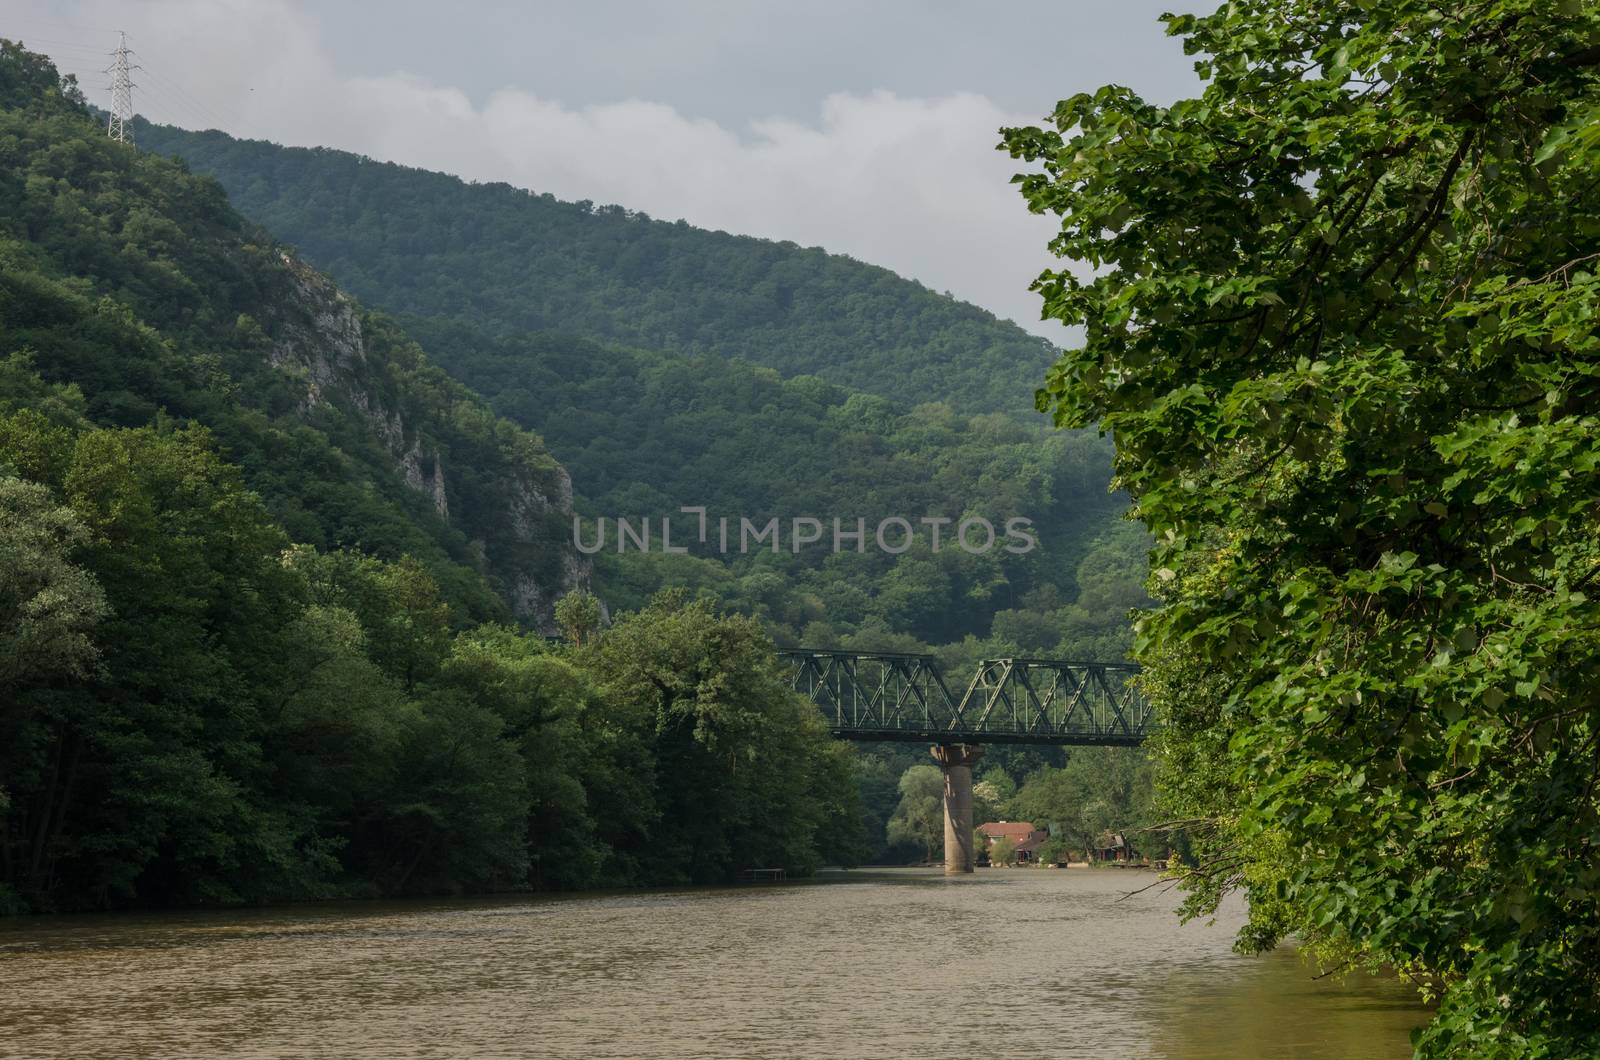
{"x": 119, "y": 126}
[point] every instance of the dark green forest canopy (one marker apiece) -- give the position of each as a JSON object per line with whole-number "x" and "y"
{"x": 1342, "y": 325}
{"x": 432, "y": 245}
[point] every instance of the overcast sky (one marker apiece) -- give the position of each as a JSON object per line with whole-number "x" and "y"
{"x": 867, "y": 128}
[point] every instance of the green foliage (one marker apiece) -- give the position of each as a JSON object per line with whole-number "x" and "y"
{"x": 255, "y": 535}
{"x": 627, "y": 417}
{"x": 242, "y": 655}
{"x": 786, "y": 383}
{"x": 150, "y": 758}
{"x": 644, "y": 434}
{"x": 404, "y": 619}
{"x": 578, "y": 614}
{"x": 1341, "y": 325}
{"x": 995, "y": 787}
{"x": 431, "y": 245}
{"x": 1056, "y": 851}
{"x": 877, "y": 783}
{"x": 918, "y": 820}
{"x": 746, "y": 773}
{"x": 130, "y": 289}
{"x": 48, "y": 606}
{"x": 195, "y": 712}
{"x": 1101, "y": 789}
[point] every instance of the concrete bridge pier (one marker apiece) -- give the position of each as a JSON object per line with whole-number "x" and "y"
{"x": 956, "y": 759}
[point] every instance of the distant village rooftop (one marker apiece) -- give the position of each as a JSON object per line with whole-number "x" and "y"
{"x": 1018, "y": 830}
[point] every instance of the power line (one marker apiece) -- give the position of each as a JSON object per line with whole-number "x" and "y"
{"x": 208, "y": 111}
{"x": 31, "y": 39}
{"x": 155, "y": 93}
{"x": 55, "y": 23}
{"x": 157, "y": 106}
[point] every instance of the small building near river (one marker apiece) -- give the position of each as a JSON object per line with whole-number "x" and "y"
{"x": 1027, "y": 838}
{"x": 1113, "y": 847}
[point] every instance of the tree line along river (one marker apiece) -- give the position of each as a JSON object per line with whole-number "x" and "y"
{"x": 869, "y": 963}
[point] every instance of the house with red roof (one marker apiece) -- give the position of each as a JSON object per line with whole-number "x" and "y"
{"x": 1027, "y": 838}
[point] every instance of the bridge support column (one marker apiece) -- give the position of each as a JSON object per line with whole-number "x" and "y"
{"x": 957, "y": 759}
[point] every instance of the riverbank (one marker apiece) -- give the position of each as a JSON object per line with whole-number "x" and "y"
{"x": 879, "y": 962}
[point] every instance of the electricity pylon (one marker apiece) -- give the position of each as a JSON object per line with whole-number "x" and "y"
{"x": 119, "y": 126}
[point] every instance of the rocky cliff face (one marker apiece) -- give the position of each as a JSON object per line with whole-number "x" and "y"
{"x": 318, "y": 339}
{"x": 529, "y": 509}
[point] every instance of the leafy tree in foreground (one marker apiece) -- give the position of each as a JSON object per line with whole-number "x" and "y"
{"x": 745, "y": 773}
{"x": 578, "y": 614}
{"x": 48, "y": 606}
{"x": 919, "y": 818}
{"x": 1341, "y": 326}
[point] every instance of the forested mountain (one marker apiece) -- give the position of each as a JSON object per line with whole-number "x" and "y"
{"x": 868, "y": 407}
{"x": 645, "y": 434}
{"x": 782, "y": 383}
{"x": 257, "y": 555}
{"x": 249, "y": 539}
{"x": 433, "y": 245}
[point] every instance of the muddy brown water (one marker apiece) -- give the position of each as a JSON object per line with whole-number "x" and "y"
{"x": 896, "y": 963}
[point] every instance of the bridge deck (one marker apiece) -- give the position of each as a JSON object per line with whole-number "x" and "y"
{"x": 901, "y": 697}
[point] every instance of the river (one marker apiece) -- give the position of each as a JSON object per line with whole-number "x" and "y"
{"x": 897, "y": 963}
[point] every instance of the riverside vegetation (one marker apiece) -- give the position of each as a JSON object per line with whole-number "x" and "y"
{"x": 1342, "y": 326}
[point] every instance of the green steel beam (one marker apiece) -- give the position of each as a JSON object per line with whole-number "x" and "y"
{"x": 901, "y": 697}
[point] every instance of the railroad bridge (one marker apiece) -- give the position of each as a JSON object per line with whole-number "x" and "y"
{"x": 901, "y": 697}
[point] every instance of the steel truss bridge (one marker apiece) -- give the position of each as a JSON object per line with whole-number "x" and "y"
{"x": 893, "y": 696}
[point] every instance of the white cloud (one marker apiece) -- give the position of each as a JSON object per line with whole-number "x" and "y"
{"x": 911, "y": 184}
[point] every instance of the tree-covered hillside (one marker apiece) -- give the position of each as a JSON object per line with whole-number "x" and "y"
{"x": 429, "y": 244}
{"x": 248, "y": 535}
{"x": 860, "y": 399}
{"x": 645, "y": 434}
{"x": 669, "y": 367}
{"x": 136, "y": 283}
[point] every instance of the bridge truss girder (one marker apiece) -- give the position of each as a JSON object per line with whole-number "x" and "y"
{"x": 901, "y": 697}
